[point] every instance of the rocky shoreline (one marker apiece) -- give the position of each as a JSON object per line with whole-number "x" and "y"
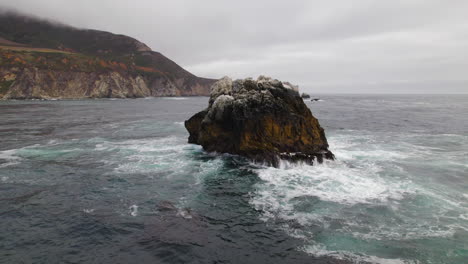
{"x": 34, "y": 83}
{"x": 45, "y": 60}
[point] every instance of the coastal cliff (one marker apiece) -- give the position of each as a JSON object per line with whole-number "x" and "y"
{"x": 43, "y": 60}
{"x": 264, "y": 120}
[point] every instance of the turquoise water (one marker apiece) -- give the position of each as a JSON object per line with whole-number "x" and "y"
{"x": 115, "y": 181}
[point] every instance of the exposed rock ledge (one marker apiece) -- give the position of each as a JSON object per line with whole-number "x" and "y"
{"x": 264, "y": 120}
{"x": 35, "y": 83}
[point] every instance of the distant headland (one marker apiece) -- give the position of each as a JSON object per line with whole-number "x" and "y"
{"x": 43, "y": 60}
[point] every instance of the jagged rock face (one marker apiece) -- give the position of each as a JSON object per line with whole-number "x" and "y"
{"x": 34, "y": 83}
{"x": 40, "y": 59}
{"x": 262, "y": 119}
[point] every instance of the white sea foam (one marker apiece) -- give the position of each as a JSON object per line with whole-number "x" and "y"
{"x": 52, "y": 142}
{"x": 364, "y": 180}
{"x": 283, "y": 190}
{"x": 184, "y": 213}
{"x": 407, "y": 231}
{"x": 330, "y": 181}
{"x": 133, "y": 210}
{"x": 175, "y": 98}
{"x": 10, "y": 156}
{"x": 139, "y": 145}
{"x": 169, "y": 155}
{"x": 153, "y": 155}
{"x": 320, "y": 250}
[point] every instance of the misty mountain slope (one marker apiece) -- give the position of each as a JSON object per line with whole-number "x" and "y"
{"x": 40, "y": 59}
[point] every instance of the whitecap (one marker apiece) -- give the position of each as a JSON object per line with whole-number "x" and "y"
{"x": 408, "y": 231}
{"x": 52, "y": 142}
{"x": 184, "y": 213}
{"x": 150, "y": 155}
{"x": 133, "y": 210}
{"x": 321, "y": 251}
{"x": 365, "y": 180}
{"x": 175, "y": 98}
{"x": 167, "y": 156}
{"x": 10, "y": 156}
{"x": 332, "y": 181}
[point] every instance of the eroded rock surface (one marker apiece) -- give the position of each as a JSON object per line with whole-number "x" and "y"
{"x": 263, "y": 120}
{"x": 44, "y": 60}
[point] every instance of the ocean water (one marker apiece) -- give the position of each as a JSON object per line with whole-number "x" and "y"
{"x": 114, "y": 181}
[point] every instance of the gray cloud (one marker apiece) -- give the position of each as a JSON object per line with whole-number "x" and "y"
{"x": 399, "y": 46}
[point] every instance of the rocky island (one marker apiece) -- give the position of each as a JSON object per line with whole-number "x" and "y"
{"x": 264, "y": 120}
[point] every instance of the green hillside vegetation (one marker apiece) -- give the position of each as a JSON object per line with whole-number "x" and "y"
{"x": 66, "y": 61}
{"x": 99, "y": 50}
{"x": 29, "y": 44}
{"x": 35, "y": 32}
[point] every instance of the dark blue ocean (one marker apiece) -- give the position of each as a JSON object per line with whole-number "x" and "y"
{"x": 115, "y": 181}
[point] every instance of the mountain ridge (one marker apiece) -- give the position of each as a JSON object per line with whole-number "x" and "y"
{"x": 42, "y": 59}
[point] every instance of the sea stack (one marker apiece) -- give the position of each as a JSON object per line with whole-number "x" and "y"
{"x": 264, "y": 120}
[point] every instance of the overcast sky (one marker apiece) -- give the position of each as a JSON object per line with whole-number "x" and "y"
{"x": 359, "y": 46}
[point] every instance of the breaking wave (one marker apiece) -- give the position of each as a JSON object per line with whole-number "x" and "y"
{"x": 366, "y": 196}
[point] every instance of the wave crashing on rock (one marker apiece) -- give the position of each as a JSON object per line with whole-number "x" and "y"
{"x": 264, "y": 120}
